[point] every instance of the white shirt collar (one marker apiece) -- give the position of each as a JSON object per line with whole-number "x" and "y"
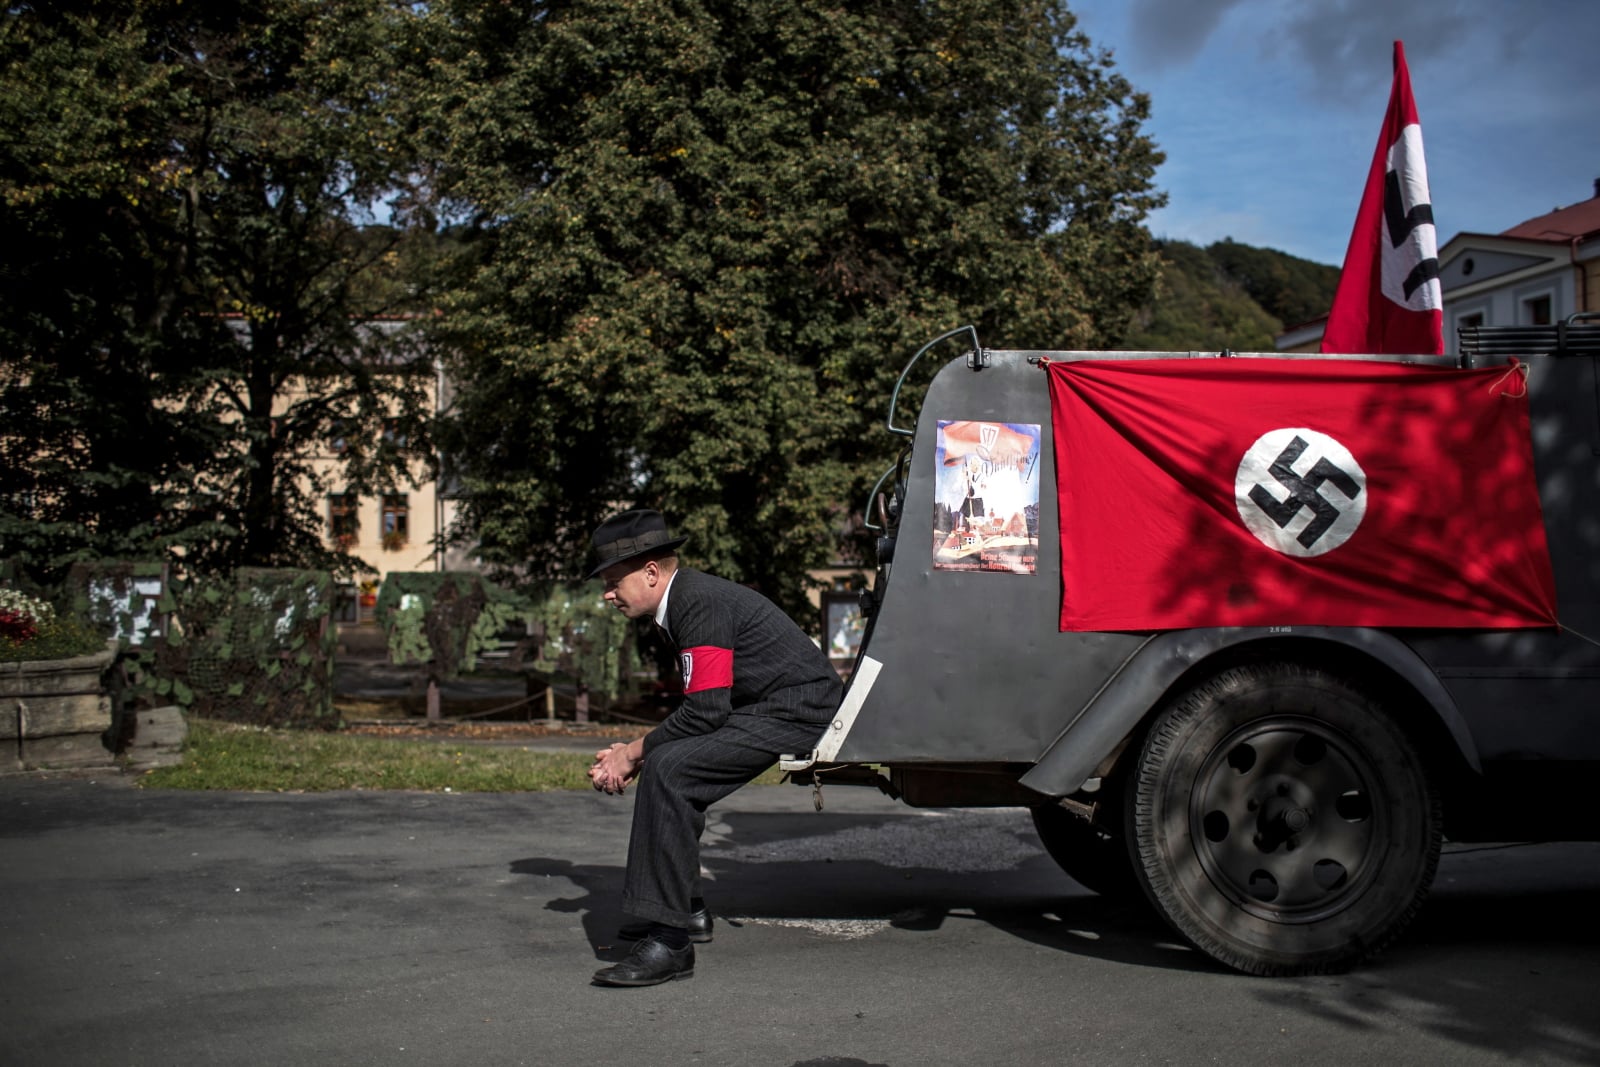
{"x": 661, "y": 608}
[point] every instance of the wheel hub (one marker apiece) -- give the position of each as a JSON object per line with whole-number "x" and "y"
{"x": 1283, "y": 813}
{"x": 1283, "y": 819}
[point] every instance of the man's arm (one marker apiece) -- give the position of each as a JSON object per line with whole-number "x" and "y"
{"x": 699, "y": 713}
{"x": 705, "y": 629}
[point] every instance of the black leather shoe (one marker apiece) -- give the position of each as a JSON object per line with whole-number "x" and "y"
{"x": 699, "y": 928}
{"x": 650, "y": 963}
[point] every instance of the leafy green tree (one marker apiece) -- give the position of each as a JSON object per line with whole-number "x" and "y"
{"x": 191, "y": 275}
{"x": 91, "y": 328}
{"x": 710, "y": 234}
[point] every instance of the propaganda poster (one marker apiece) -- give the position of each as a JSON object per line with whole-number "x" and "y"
{"x": 986, "y": 509}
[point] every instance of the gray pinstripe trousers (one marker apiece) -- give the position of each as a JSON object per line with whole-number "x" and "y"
{"x": 679, "y": 781}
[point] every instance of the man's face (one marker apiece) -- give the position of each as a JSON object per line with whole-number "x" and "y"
{"x": 632, "y": 587}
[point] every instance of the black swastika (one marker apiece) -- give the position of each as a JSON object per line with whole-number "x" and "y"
{"x": 1303, "y": 492}
{"x": 1400, "y": 223}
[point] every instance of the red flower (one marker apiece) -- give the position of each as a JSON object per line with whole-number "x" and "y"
{"x": 17, "y": 627}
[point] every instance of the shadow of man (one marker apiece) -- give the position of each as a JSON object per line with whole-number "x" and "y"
{"x": 600, "y": 889}
{"x": 855, "y": 898}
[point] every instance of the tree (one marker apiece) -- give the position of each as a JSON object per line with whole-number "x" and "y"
{"x": 190, "y": 280}
{"x": 711, "y": 233}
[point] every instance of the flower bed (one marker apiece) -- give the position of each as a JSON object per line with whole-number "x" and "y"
{"x": 30, "y": 629}
{"x": 54, "y": 708}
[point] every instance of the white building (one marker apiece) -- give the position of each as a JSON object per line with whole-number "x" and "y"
{"x": 1538, "y": 272}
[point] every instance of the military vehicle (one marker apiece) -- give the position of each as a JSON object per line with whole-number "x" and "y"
{"x": 1277, "y": 791}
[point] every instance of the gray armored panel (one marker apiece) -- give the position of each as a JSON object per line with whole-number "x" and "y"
{"x": 974, "y": 668}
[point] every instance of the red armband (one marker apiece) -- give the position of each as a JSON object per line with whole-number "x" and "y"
{"x": 706, "y": 667}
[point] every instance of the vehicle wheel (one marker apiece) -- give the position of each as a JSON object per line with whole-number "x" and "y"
{"x": 1282, "y": 822}
{"x": 1093, "y": 858}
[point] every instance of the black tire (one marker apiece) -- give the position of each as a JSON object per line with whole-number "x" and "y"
{"x": 1282, "y": 822}
{"x": 1095, "y": 859}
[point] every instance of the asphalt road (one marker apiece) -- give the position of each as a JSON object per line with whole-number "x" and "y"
{"x": 141, "y": 927}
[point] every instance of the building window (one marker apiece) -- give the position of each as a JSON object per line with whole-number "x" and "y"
{"x": 1536, "y": 310}
{"x": 394, "y": 434}
{"x": 1474, "y": 319}
{"x": 343, "y": 524}
{"x": 396, "y": 522}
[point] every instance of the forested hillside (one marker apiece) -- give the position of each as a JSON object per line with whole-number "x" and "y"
{"x": 1228, "y": 295}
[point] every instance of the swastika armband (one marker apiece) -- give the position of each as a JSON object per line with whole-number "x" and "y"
{"x": 706, "y": 667}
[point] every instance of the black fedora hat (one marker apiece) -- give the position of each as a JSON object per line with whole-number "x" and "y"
{"x": 630, "y": 535}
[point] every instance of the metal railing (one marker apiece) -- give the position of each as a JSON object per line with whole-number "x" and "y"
{"x": 1577, "y": 335}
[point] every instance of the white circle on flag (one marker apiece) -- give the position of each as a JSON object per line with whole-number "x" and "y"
{"x": 1300, "y": 492}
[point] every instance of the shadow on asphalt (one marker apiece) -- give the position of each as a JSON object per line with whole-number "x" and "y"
{"x": 1505, "y": 929}
{"x": 796, "y": 894}
{"x": 802, "y": 870}
{"x": 1505, "y": 970}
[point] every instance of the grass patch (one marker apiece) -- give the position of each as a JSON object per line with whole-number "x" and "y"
{"x": 225, "y": 756}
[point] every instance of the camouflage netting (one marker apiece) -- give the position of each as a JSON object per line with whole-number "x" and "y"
{"x": 259, "y": 649}
{"x": 129, "y": 600}
{"x": 263, "y": 654}
{"x": 442, "y": 619}
{"x": 446, "y": 620}
{"x": 133, "y": 602}
{"x": 256, "y": 650}
{"x": 578, "y": 634}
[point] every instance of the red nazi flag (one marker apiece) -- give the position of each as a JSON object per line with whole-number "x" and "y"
{"x": 1389, "y": 298}
{"x": 1246, "y": 492}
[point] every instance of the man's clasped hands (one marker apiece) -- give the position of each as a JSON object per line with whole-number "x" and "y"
{"x": 614, "y": 768}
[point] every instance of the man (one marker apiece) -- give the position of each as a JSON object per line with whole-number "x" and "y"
{"x": 754, "y": 688}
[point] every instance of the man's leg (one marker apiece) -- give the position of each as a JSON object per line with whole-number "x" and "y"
{"x": 680, "y": 780}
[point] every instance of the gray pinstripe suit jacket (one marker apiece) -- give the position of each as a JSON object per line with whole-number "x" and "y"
{"x": 777, "y": 669}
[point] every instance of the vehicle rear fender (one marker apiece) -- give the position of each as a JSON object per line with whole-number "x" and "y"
{"x": 1162, "y": 662}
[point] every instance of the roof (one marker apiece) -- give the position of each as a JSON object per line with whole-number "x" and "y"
{"x": 1561, "y": 225}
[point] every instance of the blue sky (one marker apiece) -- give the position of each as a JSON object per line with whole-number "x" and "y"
{"x": 1269, "y": 110}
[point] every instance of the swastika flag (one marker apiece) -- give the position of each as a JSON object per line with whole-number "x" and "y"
{"x": 1389, "y": 298}
{"x": 1262, "y": 492}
